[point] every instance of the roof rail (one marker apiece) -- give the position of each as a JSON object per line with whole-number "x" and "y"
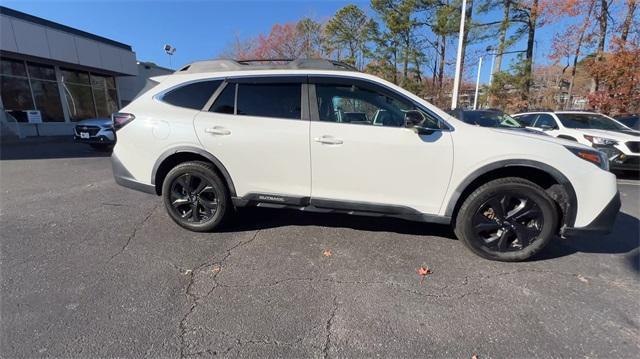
{"x": 265, "y": 64}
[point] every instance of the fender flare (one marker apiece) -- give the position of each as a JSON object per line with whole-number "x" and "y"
{"x": 198, "y": 151}
{"x": 572, "y": 208}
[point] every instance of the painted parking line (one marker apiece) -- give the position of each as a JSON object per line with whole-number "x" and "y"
{"x": 629, "y": 182}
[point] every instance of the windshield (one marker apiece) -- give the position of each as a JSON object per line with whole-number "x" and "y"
{"x": 589, "y": 120}
{"x": 491, "y": 119}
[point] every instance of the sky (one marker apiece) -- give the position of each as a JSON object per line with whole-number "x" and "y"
{"x": 203, "y": 29}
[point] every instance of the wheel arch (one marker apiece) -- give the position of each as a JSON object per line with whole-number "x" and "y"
{"x": 172, "y": 157}
{"x": 552, "y": 180}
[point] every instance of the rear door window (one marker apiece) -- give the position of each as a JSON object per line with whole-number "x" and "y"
{"x": 193, "y": 95}
{"x": 272, "y": 99}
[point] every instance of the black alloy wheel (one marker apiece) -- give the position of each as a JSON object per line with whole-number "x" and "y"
{"x": 507, "y": 219}
{"x": 195, "y": 197}
{"x": 507, "y": 222}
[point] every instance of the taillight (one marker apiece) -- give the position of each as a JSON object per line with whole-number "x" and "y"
{"x": 120, "y": 119}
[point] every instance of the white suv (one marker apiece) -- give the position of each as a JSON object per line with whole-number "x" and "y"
{"x": 317, "y": 135}
{"x": 619, "y": 142}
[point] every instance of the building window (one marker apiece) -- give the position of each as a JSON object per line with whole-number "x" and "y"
{"x": 105, "y": 95}
{"x": 77, "y": 91}
{"x": 45, "y": 92}
{"x": 29, "y": 86}
{"x": 89, "y": 95}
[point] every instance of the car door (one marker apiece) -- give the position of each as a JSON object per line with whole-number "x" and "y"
{"x": 377, "y": 164}
{"x": 259, "y": 129}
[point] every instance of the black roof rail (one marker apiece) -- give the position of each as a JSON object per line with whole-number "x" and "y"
{"x": 265, "y": 64}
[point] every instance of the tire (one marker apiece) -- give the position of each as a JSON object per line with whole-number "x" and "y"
{"x": 195, "y": 186}
{"x": 508, "y": 219}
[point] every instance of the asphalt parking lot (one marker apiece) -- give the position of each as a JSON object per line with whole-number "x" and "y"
{"x": 91, "y": 269}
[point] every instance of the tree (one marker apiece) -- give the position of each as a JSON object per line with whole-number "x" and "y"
{"x": 442, "y": 17}
{"x": 349, "y": 29}
{"x": 400, "y": 24}
{"x": 239, "y": 49}
{"x": 619, "y": 77}
{"x": 628, "y": 20}
{"x": 282, "y": 42}
{"x": 312, "y": 37}
{"x": 530, "y": 15}
{"x": 570, "y": 42}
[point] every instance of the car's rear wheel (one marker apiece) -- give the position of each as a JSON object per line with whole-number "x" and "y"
{"x": 195, "y": 197}
{"x": 508, "y": 219}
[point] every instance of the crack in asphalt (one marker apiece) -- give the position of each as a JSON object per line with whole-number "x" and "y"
{"x": 327, "y": 341}
{"x": 194, "y": 299}
{"x": 476, "y": 280}
{"x": 136, "y": 228}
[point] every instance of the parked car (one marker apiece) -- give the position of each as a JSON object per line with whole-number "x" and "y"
{"x": 219, "y": 135}
{"x": 96, "y": 132}
{"x": 619, "y": 142}
{"x": 491, "y": 118}
{"x": 631, "y": 121}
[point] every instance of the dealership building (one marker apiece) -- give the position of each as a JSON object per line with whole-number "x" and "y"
{"x": 52, "y": 75}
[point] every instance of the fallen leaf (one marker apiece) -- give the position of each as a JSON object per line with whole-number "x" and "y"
{"x": 327, "y": 253}
{"x": 423, "y": 271}
{"x": 216, "y": 268}
{"x": 188, "y": 271}
{"x": 474, "y": 356}
{"x": 582, "y": 279}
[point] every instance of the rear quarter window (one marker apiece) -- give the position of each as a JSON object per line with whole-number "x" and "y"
{"x": 194, "y": 95}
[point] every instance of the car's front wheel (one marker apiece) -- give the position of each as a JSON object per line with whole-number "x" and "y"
{"x": 195, "y": 197}
{"x": 508, "y": 219}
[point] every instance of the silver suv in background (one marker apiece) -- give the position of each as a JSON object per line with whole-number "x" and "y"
{"x": 96, "y": 132}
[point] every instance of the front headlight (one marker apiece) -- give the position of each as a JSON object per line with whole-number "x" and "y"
{"x": 601, "y": 140}
{"x": 598, "y": 158}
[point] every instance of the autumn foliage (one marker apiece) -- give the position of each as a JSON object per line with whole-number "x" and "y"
{"x": 619, "y": 75}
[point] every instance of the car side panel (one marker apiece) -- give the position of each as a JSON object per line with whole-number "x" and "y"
{"x": 594, "y": 187}
{"x": 157, "y": 128}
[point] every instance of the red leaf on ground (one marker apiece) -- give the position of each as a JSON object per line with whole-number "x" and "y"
{"x": 423, "y": 271}
{"x": 327, "y": 253}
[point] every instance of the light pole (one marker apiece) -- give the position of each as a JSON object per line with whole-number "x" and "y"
{"x": 456, "y": 79}
{"x": 475, "y": 98}
{"x": 493, "y": 61}
{"x": 169, "y": 50}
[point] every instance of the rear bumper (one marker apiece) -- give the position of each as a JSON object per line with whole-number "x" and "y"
{"x": 602, "y": 224}
{"x": 125, "y": 179}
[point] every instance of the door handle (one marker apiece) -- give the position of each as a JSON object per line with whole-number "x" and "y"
{"x": 329, "y": 140}
{"x": 218, "y": 130}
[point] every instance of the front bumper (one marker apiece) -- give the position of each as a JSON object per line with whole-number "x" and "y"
{"x": 619, "y": 160}
{"x": 602, "y": 224}
{"x": 626, "y": 163}
{"x": 105, "y": 136}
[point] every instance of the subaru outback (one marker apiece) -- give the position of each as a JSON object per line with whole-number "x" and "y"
{"x": 319, "y": 136}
